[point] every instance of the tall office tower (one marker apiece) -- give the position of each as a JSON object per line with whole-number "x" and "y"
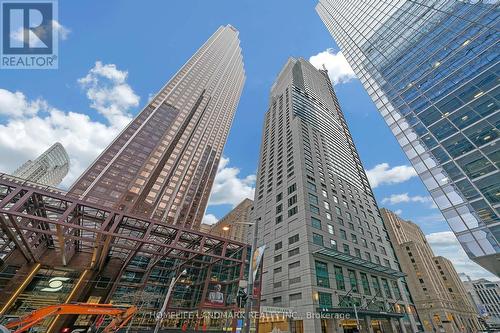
{"x": 431, "y": 68}
{"x": 440, "y": 298}
{"x": 163, "y": 164}
{"x": 50, "y": 168}
{"x": 236, "y": 224}
{"x": 327, "y": 250}
{"x": 486, "y": 297}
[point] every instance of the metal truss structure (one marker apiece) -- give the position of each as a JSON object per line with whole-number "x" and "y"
{"x": 34, "y": 218}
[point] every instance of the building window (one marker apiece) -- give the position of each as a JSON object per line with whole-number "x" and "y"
{"x": 313, "y": 199}
{"x": 317, "y": 239}
{"x": 278, "y": 246}
{"x": 333, "y": 244}
{"x": 354, "y": 238}
{"x": 295, "y": 297}
{"x": 343, "y": 234}
{"x": 279, "y": 208}
{"x": 292, "y": 188}
{"x": 292, "y": 211}
{"x": 376, "y": 286}
{"x": 331, "y": 230}
{"x": 277, "y": 270}
{"x": 294, "y": 265}
{"x": 279, "y": 196}
{"x": 387, "y": 289}
{"x": 322, "y": 278}
{"x": 277, "y": 258}
{"x": 293, "y": 252}
{"x": 314, "y": 209}
{"x": 277, "y": 300}
{"x": 311, "y": 186}
{"x": 293, "y": 239}
{"x": 353, "y": 281}
{"x": 339, "y": 278}
{"x": 395, "y": 289}
{"x": 387, "y": 263}
{"x": 346, "y": 249}
{"x": 325, "y": 300}
{"x": 279, "y": 219}
{"x": 316, "y": 223}
{"x": 326, "y": 205}
{"x": 365, "y": 284}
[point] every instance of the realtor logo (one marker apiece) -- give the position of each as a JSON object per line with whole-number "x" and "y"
{"x": 29, "y": 35}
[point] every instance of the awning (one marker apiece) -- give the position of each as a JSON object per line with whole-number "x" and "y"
{"x": 358, "y": 263}
{"x": 361, "y": 312}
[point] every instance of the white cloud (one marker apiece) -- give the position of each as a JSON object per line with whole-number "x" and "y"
{"x": 229, "y": 188}
{"x": 16, "y": 105}
{"x": 404, "y": 197}
{"x": 383, "y": 174}
{"x": 31, "y": 126}
{"x": 109, "y": 93}
{"x": 398, "y": 212}
{"x": 338, "y": 68}
{"x": 62, "y": 30}
{"x": 209, "y": 219}
{"x": 445, "y": 244}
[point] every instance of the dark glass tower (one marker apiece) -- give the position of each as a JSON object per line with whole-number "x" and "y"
{"x": 164, "y": 162}
{"x": 432, "y": 69}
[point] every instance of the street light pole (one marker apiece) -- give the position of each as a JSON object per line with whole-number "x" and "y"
{"x": 160, "y": 315}
{"x": 249, "y": 304}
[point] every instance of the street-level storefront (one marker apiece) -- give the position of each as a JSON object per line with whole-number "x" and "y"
{"x": 279, "y": 319}
{"x": 349, "y": 320}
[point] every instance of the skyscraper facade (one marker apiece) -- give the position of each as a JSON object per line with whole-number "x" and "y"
{"x": 431, "y": 68}
{"x": 236, "y": 224}
{"x": 327, "y": 251}
{"x": 440, "y": 298}
{"x": 127, "y": 228}
{"x": 49, "y": 168}
{"x": 485, "y": 295}
{"x": 164, "y": 162}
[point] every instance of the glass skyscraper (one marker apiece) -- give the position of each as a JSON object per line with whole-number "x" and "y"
{"x": 327, "y": 250}
{"x": 164, "y": 162}
{"x": 49, "y": 168}
{"x": 431, "y": 67}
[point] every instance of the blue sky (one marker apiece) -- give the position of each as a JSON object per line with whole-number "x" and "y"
{"x": 150, "y": 40}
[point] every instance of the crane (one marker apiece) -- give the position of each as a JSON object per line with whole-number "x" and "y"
{"x": 121, "y": 315}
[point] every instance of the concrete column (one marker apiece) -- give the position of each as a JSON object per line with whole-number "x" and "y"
{"x": 393, "y": 325}
{"x": 337, "y": 326}
{"x": 403, "y": 327}
{"x": 367, "y": 324}
{"x": 312, "y": 325}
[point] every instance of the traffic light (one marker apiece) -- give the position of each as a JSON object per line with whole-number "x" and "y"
{"x": 241, "y": 297}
